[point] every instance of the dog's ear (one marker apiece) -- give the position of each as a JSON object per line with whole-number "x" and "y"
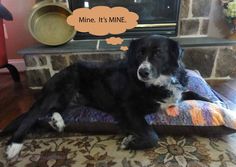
{"x": 131, "y": 52}
{"x": 176, "y": 52}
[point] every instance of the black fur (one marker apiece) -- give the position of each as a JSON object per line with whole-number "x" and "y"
{"x": 114, "y": 88}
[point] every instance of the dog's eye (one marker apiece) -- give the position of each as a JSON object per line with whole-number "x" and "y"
{"x": 156, "y": 53}
{"x": 157, "y": 50}
{"x": 142, "y": 51}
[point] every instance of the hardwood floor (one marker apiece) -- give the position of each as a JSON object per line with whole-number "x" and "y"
{"x": 228, "y": 91}
{"x": 17, "y": 98}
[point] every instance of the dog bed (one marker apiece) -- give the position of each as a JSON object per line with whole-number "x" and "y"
{"x": 188, "y": 117}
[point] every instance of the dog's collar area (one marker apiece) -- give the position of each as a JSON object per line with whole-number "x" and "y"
{"x": 173, "y": 80}
{"x": 163, "y": 80}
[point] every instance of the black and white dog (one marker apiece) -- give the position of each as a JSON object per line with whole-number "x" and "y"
{"x": 151, "y": 76}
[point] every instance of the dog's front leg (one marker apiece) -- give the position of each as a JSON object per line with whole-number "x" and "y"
{"x": 141, "y": 135}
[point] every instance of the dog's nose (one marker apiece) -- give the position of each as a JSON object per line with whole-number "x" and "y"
{"x": 144, "y": 72}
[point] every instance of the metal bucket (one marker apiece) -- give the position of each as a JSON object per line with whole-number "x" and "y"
{"x": 47, "y": 24}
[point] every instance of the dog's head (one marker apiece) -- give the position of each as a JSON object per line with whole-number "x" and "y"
{"x": 153, "y": 56}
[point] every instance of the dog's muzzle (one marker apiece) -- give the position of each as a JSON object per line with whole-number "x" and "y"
{"x": 144, "y": 71}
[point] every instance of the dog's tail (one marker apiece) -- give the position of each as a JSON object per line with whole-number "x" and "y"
{"x": 13, "y": 125}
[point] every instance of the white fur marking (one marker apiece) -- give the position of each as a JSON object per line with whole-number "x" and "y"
{"x": 57, "y": 122}
{"x": 125, "y": 142}
{"x": 169, "y": 83}
{"x": 144, "y": 64}
{"x": 162, "y": 80}
{"x": 13, "y": 150}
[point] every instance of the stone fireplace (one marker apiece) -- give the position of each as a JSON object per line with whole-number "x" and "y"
{"x": 201, "y": 32}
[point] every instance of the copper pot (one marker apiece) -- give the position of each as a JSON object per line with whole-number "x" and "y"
{"x": 47, "y": 23}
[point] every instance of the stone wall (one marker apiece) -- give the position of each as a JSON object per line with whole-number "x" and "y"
{"x": 39, "y": 68}
{"x": 194, "y": 17}
{"x": 213, "y": 63}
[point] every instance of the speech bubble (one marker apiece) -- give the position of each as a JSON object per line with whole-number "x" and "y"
{"x": 114, "y": 40}
{"x": 103, "y": 20}
{"x": 124, "y": 48}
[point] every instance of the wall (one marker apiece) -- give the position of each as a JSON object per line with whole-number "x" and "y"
{"x": 194, "y": 17}
{"x": 205, "y": 18}
{"x": 39, "y": 68}
{"x": 18, "y": 36}
{"x": 218, "y": 26}
{"x": 202, "y": 18}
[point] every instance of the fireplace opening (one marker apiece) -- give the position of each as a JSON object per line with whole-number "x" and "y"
{"x": 155, "y": 16}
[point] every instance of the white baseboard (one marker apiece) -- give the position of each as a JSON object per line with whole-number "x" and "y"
{"x": 18, "y": 63}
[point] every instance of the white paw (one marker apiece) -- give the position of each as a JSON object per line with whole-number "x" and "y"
{"x": 13, "y": 150}
{"x": 57, "y": 122}
{"x": 125, "y": 142}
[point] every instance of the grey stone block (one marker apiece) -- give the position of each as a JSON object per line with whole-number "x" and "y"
{"x": 189, "y": 27}
{"x": 204, "y": 28}
{"x": 30, "y": 61}
{"x": 200, "y": 59}
{"x": 184, "y": 8}
{"x": 58, "y": 62}
{"x": 37, "y": 78}
{"x": 35, "y": 60}
{"x": 201, "y": 8}
{"x": 98, "y": 57}
{"x": 41, "y": 60}
{"x": 226, "y": 63}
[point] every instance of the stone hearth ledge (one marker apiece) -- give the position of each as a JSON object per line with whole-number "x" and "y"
{"x": 101, "y": 45}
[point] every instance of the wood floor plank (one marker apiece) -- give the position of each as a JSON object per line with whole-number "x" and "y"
{"x": 15, "y": 99}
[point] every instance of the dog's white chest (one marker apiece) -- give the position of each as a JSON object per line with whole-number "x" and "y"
{"x": 174, "y": 87}
{"x": 176, "y": 96}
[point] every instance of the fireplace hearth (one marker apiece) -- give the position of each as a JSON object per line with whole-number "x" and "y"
{"x": 155, "y": 16}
